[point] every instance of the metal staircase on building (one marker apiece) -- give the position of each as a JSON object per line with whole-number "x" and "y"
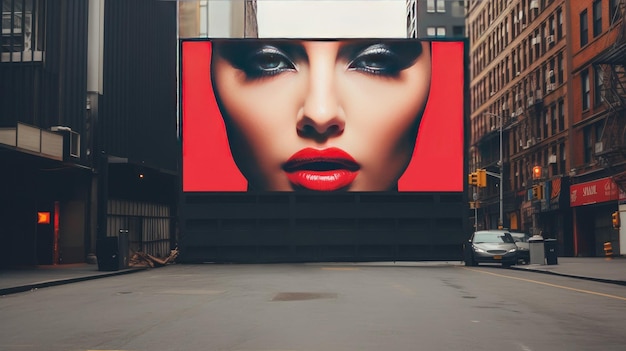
{"x": 611, "y": 153}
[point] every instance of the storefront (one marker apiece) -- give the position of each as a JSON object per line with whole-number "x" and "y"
{"x": 592, "y": 204}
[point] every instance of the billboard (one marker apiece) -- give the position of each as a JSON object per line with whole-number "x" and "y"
{"x": 356, "y": 115}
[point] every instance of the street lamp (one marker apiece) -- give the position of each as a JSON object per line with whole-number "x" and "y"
{"x": 500, "y": 167}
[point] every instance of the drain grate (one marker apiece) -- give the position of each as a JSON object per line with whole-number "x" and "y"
{"x": 300, "y": 296}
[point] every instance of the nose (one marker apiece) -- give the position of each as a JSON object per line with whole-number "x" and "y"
{"x": 321, "y": 114}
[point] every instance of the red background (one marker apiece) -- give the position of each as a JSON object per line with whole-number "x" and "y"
{"x": 437, "y": 163}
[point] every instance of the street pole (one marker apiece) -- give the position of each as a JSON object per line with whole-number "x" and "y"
{"x": 501, "y": 221}
{"x": 475, "y": 197}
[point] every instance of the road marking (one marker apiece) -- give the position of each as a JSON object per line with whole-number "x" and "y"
{"x": 551, "y": 285}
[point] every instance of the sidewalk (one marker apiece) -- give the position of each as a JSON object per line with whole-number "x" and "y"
{"x": 601, "y": 269}
{"x": 15, "y": 280}
{"x": 25, "y": 279}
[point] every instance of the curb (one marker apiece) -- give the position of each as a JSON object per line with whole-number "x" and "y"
{"x": 46, "y": 284}
{"x": 600, "y": 280}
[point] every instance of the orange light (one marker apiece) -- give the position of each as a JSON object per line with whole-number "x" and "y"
{"x": 43, "y": 217}
{"x": 537, "y": 172}
{"x": 141, "y": 175}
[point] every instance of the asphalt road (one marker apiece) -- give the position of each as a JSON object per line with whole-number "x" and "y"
{"x": 321, "y": 307}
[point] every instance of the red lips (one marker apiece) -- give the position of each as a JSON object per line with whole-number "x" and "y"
{"x": 321, "y": 170}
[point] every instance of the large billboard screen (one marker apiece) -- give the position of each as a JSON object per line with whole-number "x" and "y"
{"x": 361, "y": 115}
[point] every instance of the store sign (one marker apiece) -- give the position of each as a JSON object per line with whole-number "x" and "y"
{"x": 601, "y": 190}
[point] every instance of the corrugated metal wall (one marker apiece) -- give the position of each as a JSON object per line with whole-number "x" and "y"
{"x": 148, "y": 225}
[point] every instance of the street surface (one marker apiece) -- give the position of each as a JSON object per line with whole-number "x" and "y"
{"x": 319, "y": 307}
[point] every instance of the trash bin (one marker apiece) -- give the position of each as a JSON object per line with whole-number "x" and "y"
{"x": 536, "y": 250}
{"x": 112, "y": 252}
{"x": 550, "y": 251}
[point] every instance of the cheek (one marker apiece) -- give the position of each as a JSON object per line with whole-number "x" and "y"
{"x": 385, "y": 113}
{"x": 262, "y": 114}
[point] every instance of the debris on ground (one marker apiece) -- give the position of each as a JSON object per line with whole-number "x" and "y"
{"x": 142, "y": 259}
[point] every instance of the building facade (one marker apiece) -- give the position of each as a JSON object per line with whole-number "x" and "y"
{"x": 439, "y": 18}
{"x": 532, "y": 121}
{"x": 87, "y": 127}
{"x": 598, "y": 132}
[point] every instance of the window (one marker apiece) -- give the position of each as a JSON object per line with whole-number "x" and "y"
{"x": 441, "y": 6}
{"x": 554, "y": 123}
{"x": 457, "y": 31}
{"x": 584, "y": 29}
{"x": 561, "y": 111}
{"x": 597, "y": 86}
{"x": 441, "y": 31}
{"x": 561, "y": 68}
{"x": 588, "y": 144}
{"x": 431, "y": 31}
{"x": 430, "y": 6}
{"x": 597, "y": 18}
{"x": 559, "y": 28}
{"x": 21, "y": 28}
{"x": 614, "y": 11}
{"x": 584, "y": 80}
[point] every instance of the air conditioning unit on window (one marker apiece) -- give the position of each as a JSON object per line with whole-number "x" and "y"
{"x": 599, "y": 147}
{"x": 552, "y": 159}
{"x": 531, "y": 101}
{"x": 520, "y": 111}
{"x": 505, "y": 106}
{"x": 550, "y": 87}
{"x": 538, "y": 95}
{"x": 550, "y": 39}
{"x": 534, "y": 4}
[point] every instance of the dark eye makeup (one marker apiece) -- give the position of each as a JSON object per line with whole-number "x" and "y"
{"x": 260, "y": 59}
{"x": 384, "y": 59}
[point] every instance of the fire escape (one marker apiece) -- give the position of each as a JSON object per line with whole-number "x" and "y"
{"x": 611, "y": 151}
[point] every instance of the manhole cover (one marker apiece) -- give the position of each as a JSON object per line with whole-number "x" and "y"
{"x": 299, "y": 296}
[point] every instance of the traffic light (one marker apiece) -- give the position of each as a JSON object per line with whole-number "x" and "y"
{"x": 537, "y": 192}
{"x": 537, "y": 172}
{"x": 473, "y": 178}
{"x": 615, "y": 219}
{"x": 482, "y": 178}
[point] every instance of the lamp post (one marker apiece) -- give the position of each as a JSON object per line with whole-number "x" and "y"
{"x": 499, "y": 176}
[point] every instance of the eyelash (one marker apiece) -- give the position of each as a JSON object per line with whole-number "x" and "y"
{"x": 389, "y": 63}
{"x": 376, "y": 60}
{"x": 254, "y": 67}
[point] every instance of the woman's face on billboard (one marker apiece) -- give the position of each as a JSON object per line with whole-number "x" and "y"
{"x": 321, "y": 115}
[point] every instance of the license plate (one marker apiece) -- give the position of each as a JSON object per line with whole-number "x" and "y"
{"x": 497, "y": 257}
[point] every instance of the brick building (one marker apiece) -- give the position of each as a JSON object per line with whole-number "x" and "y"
{"x": 546, "y": 96}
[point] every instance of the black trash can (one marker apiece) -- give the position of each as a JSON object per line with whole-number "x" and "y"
{"x": 550, "y": 251}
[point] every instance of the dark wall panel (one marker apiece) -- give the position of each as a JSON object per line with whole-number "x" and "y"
{"x": 139, "y": 98}
{"x": 344, "y": 227}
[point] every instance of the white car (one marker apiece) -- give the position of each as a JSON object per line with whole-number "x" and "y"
{"x": 490, "y": 246}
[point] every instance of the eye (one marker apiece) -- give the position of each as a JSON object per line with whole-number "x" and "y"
{"x": 376, "y": 59}
{"x": 267, "y": 61}
{"x": 386, "y": 60}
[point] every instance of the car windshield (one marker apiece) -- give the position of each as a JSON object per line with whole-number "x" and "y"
{"x": 492, "y": 238}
